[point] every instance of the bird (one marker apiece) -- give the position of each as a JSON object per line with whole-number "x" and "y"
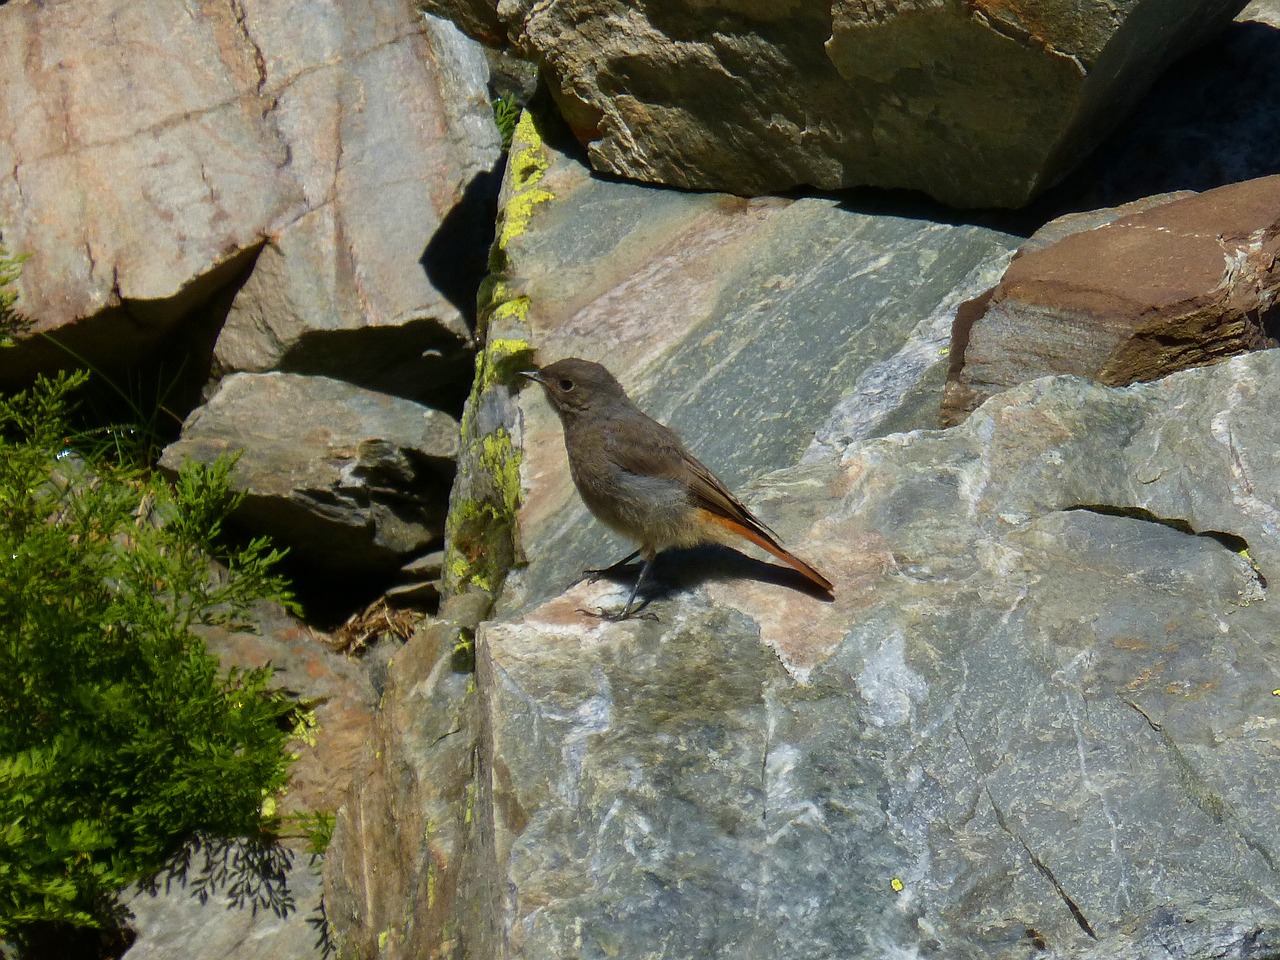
{"x": 635, "y": 475}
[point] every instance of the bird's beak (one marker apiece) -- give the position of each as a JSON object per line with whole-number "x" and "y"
{"x": 534, "y": 375}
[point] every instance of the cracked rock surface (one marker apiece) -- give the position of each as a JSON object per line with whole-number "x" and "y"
{"x": 1040, "y": 714}
{"x": 981, "y": 103}
{"x": 149, "y": 152}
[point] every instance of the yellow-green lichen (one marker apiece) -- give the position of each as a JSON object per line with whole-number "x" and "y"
{"x": 469, "y": 810}
{"x": 497, "y": 302}
{"x": 481, "y": 523}
{"x": 517, "y": 309}
{"x": 504, "y": 358}
{"x": 528, "y": 164}
{"x": 481, "y": 527}
{"x": 499, "y": 456}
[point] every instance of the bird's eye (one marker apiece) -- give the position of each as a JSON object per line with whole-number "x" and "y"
{"x": 566, "y": 385}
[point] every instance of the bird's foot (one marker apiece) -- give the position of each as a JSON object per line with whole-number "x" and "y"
{"x": 617, "y": 616}
{"x": 592, "y": 574}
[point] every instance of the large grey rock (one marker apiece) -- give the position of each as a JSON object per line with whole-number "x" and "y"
{"x": 716, "y": 299}
{"x": 972, "y": 720}
{"x": 745, "y": 324}
{"x": 149, "y": 154}
{"x": 978, "y": 104}
{"x": 1175, "y": 285}
{"x": 347, "y": 478}
{"x": 1039, "y": 716}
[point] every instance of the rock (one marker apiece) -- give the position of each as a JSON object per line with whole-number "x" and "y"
{"x": 348, "y": 479}
{"x": 960, "y": 755}
{"x": 1039, "y": 714}
{"x": 1262, "y": 11}
{"x": 393, "y": 141}
{"x": 1206, "y": 122}
{"x": 1176, "y": 285}
{"x": 709, "y": 308}
{"x": 478, "y": 20}
{"x": 419, "y": 582}
{"x": 278, "y": 918}
{"x": 135, "y": 185}
{"x": 402, "y": 878}
{"x": 333, "y": 753}
{"x": 149, "y": 155}
{"x": 979, "y": 104}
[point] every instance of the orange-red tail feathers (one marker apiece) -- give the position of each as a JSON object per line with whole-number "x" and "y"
{"x": 761, "y": 539}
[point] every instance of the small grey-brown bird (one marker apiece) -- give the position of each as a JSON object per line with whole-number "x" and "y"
{"x": 638, "y": 479}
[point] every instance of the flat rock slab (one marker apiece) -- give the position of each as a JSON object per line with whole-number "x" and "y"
{"x": 1041, "y": 713}
{"x": 1175, "y": 285}
{"x": 743, "y": 324}
{"x": 348, "y": 478}
{"x": 978, "y": 104}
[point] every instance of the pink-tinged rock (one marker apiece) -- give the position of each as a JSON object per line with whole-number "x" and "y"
{"x": 334, "y": 754}
{"x": 1177, "y": 285}
{"x": 149, "y": 151}
{"x": 388, "y": 125}
{"x": 136, "y": 166}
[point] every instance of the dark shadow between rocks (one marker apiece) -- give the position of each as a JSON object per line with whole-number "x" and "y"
{"x": 456, "y": 258}
{"x": 147, "y": 370}
{"x": 1212, "y": 118}
{"x": 418, "y": 360}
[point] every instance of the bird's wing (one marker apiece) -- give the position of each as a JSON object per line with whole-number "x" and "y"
{"x": 663, "y": 455}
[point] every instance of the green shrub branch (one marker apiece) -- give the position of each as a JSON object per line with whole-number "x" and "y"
{"x": 121, "y": 739}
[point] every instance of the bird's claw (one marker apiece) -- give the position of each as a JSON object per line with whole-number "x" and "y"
{"x": 617, "y": 616}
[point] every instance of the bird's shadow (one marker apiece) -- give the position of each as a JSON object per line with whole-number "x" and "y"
{"x": 678, "y": 570}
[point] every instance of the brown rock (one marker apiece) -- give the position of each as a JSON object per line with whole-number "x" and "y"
{"x": 334, "y": 754}
{"x": 982, "y": 103}
{"x": 1178, "y": 285}
{"x": 403, "y": 876}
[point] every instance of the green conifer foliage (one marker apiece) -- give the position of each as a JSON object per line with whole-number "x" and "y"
{"x": 121, "y": 739}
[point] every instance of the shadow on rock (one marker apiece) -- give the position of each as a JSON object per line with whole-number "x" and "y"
{"x": 456, "y": 258}
{"x": 677, "y": 571}
{"x": 1213, "y": 118}
{"x": 248, "y": 873}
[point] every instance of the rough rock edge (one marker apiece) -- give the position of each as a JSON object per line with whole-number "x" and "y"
{"x": 480, "y": 532}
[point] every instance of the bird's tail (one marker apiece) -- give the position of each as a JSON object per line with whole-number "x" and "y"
{"x": 762, "y": 539}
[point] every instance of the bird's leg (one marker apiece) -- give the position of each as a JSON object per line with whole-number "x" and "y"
{"x": 625, "y": 613}
{"x": 626, "y": 608}
{"x": 594, "y": 574}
